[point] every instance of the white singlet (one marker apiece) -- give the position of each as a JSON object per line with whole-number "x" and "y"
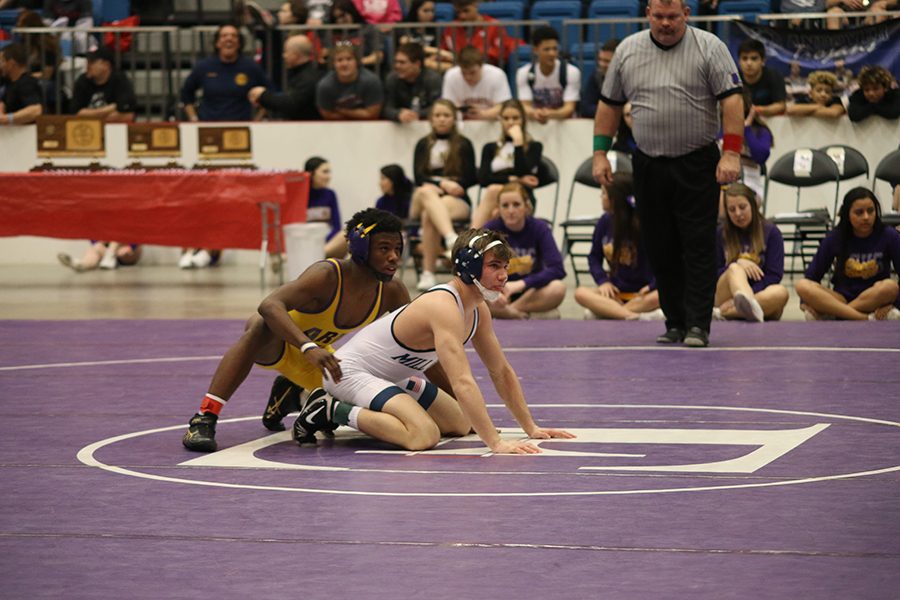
{"x": 374, "y": 362}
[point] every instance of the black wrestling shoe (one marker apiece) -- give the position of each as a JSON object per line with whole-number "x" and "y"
{"x": 283, "y": 399}
{"x": 201, "y": 433}
{"x": 673, "y": 335}
{"x": 313, "y": 417}
{"x": 696, "y": 338}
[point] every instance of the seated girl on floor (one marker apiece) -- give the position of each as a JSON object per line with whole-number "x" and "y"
{"x": 751, "y": 261}
{"x": 627, "y": 291}
{"x": 861, "y": 249}
{"x": 535, "y": 288}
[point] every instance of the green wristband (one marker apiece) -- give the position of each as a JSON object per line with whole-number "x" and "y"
{"x": 602, "y": 142}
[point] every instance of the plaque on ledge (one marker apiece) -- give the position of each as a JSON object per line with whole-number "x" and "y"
{"x": 76, "y": 137}
{"x": 154, "y": 139}
{"x": 224, "y": 143}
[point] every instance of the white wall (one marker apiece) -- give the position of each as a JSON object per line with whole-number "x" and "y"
{"x": 358, "y": 150}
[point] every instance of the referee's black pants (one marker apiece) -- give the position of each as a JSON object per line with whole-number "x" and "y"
{"x": 677, "y": 203}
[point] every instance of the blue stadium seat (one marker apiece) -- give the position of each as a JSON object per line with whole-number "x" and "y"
{"x": 610, "y": 9}
{"x": 747, "y": 9}
{"x": 106, "y": 11}
{"x": 443, "y": 12}
{"x": 556, "y": 11}
{"x": 505, "y": 10}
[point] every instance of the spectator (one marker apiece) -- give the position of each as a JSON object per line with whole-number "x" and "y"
{"x": 379, "y": 11}
{"x": 323, "y": 206}
{"x": 624, "y": 140}
{"x": 420, "y": 13}
{"x": 795, "y": 84}
{"x": 444, "y": 168}
{"x": 476, "y": 89}
{"x": 411, "y": 88}
{"x": 73, "y": 10}
{"x": 861, "y": 249}
{"x": 766, "y": 86}
{"x": 396, "y": 191}
{"x": 348, "y": 92}
{"x": 758, "y": 142}
{"x": 590, "y": 93}
{"x": 290, "y": 13}
{"x": 492, "y": 40}
{"x": 627, "y": 290}
{"x": 44, "y": 56}
{"x": 751, "y": 261}
{"x": 225, "y": 79}
{"x": 821, "y": 101}
{"x": 294, "y": 12}
{"x": 103, "y": 91}
{"x": 515, "y": 157}
{"x": 877, "y": 95}
{"x": 319, "y": 11}
{"x": 106, "y": 255}
{"x": 363, "y": 36}
{"x": 22, "y": 98}
{"x": 535, "y": 287}
{"x": 548, "y": 87}
{"x": 298, "y": 102}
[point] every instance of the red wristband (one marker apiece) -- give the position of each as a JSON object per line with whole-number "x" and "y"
{"x": 732, "y": 142}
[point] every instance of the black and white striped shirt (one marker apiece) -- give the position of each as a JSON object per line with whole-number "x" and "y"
{"x": 674, "y": 92}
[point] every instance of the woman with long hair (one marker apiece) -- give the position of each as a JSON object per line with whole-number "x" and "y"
{"x": 443, "y": 167}
{"x": 513, "y": 157}
{"x": 751, "y": 261}
{"x": 627, "y": 290}
{"x": 861, "y": 249}
{"x": 396, "y": 190}
{"x": 422, "y": 30}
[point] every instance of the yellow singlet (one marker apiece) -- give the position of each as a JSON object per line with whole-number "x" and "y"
{"x": 321, "y": 329}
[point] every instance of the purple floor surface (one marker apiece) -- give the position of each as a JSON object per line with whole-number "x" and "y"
{"x": 766, "y": 466}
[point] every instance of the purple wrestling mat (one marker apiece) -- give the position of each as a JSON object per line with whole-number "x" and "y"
{"x": 766, "y": 466}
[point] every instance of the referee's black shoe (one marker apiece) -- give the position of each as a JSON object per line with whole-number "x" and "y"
{"x": 696, "y": 338}
{"x": 284, "y": 398}
{"x": 201, "y": 433}
{"x": 314, "y": 417}
{"x": 673, "y": 335}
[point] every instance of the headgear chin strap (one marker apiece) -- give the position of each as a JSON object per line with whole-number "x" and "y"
{"x": 359, "y": 242}
{"x": 468, "y": 263}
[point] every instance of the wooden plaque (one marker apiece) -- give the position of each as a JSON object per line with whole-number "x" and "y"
{"x": 224, "y": 143}
{"x": 61, "y": 136}
{"x": 154, "y": 139}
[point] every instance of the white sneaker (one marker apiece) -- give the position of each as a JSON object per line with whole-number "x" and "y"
{"x": 589, "y": 315}
{"x": 426, "y": 281}
{"x": 717, "y": 314}
{"x": 185, "y": 261}
{"x": 109, "y": 260}
{"x": 67, "y": 261}
{"x": 201, "y": 259}
{"x": 893, "y": 315}
{"x": 653, "y": 315}
{"x": 748, "y": 307}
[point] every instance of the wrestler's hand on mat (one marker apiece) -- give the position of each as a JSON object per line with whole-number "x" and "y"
{"x": 508, "y": 447}
{"x": 327, "y": 362}
{"x": 545, "y": 433}
{"x": 727, "y": 171}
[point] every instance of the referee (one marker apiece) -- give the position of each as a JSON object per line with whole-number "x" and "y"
{"x": 676, "y": 78}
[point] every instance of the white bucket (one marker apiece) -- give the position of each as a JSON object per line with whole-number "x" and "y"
{"x": 304, "y": 244}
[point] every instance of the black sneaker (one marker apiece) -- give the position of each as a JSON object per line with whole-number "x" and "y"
{"x": 696, "y": 338}
{"x": 673, "y": 335}
{"x": 283, "y": 399}
{"x": 201, "y": 433}
{"x": 313, "y": 417}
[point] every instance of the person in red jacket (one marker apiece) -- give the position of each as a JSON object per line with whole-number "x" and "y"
{"x": 492, "y": 40}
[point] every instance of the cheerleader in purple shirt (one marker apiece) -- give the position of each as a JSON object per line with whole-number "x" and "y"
{"x": 323, "y": 206}
{"x": 627, "y": 291}
{"x": 535, "y": 288}
{"x": 751, "y": 261}
{"x": 861, "y": 249}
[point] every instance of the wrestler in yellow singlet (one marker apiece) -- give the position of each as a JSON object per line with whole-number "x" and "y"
{"x": 321, "y": 329}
